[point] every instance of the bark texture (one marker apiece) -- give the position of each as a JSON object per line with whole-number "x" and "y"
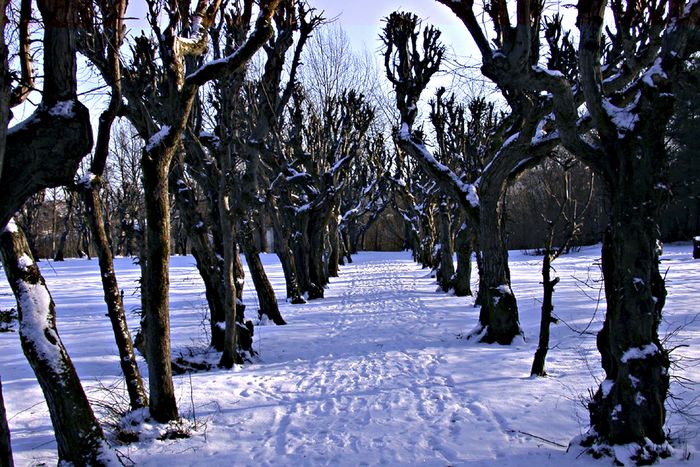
{"x": 78, "y": 434}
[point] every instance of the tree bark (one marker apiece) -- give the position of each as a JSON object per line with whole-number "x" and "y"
{"x": 78, "y": 434}
{"x": 266, "y": 294}
{"x": 629, "y": 405}
{"x": 155, "y": 321}
{"x": 498, "y": 318}
{"x": 5, "y": 443}
{"x": 464, "y": 248}
{"x": 548, "y": 284}
{"x": 446, "y": 271}
{"x": 113, "y": 299}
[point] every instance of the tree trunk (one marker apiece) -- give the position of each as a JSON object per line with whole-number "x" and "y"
{"x": 155, "y": 321}
{"x": 60, "y": 251}
{"x": 629, "y": 405}
{"x": 78, "y": 434}
{"x": 498, "y": 318}
{"x": 334, "y": 258}
{"x": 538, "y": 364}
{"x": 5, "y": 444}
{"x": 282, "y": 240}
{"x": 230, "y": 354}
{"x": 464, "y": 248}
{"x": 318, "y": 277}
{"x": 263, "y": 288}
{"x": 446, "y": 269}
{"x": 113, "y": 299}
{"x": 209, "y": 264}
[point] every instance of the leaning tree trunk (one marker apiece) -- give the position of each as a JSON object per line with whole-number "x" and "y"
{"x": 209, "y": 263}
{"x": 155, "y": 321}
{"x": 266, "y": 294}
{"x": 629, "y": 405}
{"x": 78, "y": 434}
{"x": 498, "y": 318}
{"x": 5, "y": 444}
{"x": 113, "y": 299}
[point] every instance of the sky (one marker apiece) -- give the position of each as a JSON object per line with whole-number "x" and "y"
{"x": 362, "y": 20}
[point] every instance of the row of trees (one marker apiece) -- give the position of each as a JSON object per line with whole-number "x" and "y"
{"x": 607, "y": 103}
{"x": 236, "y": 126}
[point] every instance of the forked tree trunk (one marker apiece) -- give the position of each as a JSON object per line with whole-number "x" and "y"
{"x": 113, "y": 299}
{"x": 78, "y": 434}
{"x": 5, "y": 443}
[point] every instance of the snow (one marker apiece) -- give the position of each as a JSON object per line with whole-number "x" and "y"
{"x": 11, "y": 227}
{"x": 623, "y": 118}
{"x": 639, "y": 353}
{"x": 156, "y": 139}
{"x": 63, "y": 109}
{"x": 467, "y": 189}
{"x": 376, "y": 373}
{"x": 24, "y": 262}
{"x": 654, "y": 73}
{"x": 86, "y": 180}
{"x": 36, "y": 328}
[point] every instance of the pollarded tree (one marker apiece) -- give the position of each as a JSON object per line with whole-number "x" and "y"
{"x": 161, "y": 87}
{"x": 89, "y": 188}
{"x": 518, "y": 142}
{"x": 627, "y": 90}
{"x": 44, "y": 151}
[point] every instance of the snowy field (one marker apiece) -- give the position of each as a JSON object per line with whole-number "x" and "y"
{"x": 375, "y": 374}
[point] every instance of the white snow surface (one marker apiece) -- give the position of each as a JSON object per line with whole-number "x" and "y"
{"x": 374, "y": 374}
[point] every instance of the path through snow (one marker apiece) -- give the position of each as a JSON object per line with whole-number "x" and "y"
{"x": 374, "y": 374}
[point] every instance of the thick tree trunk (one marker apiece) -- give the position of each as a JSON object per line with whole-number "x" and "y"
{"x": 629, "y": 405}
{"x": 316, "y": 232}
{"x": 209, "y": 264}
{"x": 335, "y": 257}
{"x": 446, "y": 268}
{"x": 464, "y": 249}
{"x": 285, "y": 254}
{"x": 548, "y": 284}
{"x": 78, "y": 434}
{"x": 113, "y": 299}
{"x": 498, "y": 318}
{"x": 266, "y": 294}
{"x": 5, "y": 442}
{"x": 155, "y": 322}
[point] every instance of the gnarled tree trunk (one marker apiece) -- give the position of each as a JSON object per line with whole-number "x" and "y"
{"x": 78, "y": 434}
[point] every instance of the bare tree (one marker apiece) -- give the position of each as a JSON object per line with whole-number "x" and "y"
{"x": 563, "y": 228}
{"x": 160, "y": 100}
{"x": 627, "y": 90}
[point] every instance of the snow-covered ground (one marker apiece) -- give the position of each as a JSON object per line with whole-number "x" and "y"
{"x": 375, "y": 374}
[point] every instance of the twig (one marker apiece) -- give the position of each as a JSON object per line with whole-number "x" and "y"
{"x": 538, "y": 437}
